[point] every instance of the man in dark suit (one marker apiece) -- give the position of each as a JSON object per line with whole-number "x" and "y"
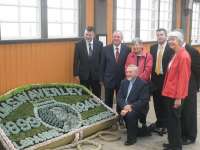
{"x": 112, "y": 66}
{"x": 162, "y": 54}
{"x": 87, "y": 58}
{"x": 189, "y": 109}
{"x": 132, "y": 97}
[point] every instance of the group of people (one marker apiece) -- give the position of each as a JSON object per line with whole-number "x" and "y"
{"x": 169, "y": 72}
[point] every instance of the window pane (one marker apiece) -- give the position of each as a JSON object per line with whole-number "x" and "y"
{"x": 54, "y": 30}
{"x": 12, "y": 2}
{"x": 68, "y": 16}
{"x": 29, "y": 14}
{"x": 128, "y": 4}
{"x": 62, "y": 18}
{"x": 149, "y": 19}
{"x": 29, "y": 2}
{"x": 120, "y": 25}
{"x": 127, "y": 24}
{"x": 20, "y": 19}
{"x": 54, "y": 3}
{"x": 54, "y": 15}
{"x": 69, "y": 30}
{"x": 29, "y": 29}
{"x": 128, "y": 13}
{"x": 8, "y": 13}
{"x": 69, "y": 4}
{"x": 9, "y": 30}
{"x": 127, "y": 36}
{"x": 195, "y": 35}
{"x": 120, "y": 13}
{"x": 166, "y": 14}
{"x": 126, "y": 10}
{"x": 120, "y": 3}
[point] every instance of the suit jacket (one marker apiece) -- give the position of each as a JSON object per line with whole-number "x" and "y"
{"x": 85, "y": 66}
{"x": 168, "y": 53}
{"x": 138, "y": 97}
{"x": 195, "y": 69}
{"x": 111, "y": 72}
{"x": 178, "y": 75}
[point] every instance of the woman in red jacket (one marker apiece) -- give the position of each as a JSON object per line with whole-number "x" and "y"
{"x": 175, "y": 88}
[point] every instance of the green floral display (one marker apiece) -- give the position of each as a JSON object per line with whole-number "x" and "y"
{"x": 33, "y": 114}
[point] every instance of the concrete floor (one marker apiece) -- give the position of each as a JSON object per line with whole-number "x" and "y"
{"x": 153, "y": 142}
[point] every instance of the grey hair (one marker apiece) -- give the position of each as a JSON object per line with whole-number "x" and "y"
{"x": 136, "y": 41}
{"x": 120, "y": 32}
{"x": 178, "y": 35}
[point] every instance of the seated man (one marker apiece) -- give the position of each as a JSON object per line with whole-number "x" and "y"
{"x": 133, "y": 95}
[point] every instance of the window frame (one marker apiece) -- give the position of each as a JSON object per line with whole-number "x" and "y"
{"x": 198, "y": 28}
{"x": 137, "y": 19}
{"x": 19, "y": 21}
{"x": 44, "y": 26}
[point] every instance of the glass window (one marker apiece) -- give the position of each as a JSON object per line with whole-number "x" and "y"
{"x": 195, "y": 36}
{"x": 19, "y": 19}
{"x": 126, "y": 15}
{"x": 62, "y": 18}
{"x": 154, "y": 14}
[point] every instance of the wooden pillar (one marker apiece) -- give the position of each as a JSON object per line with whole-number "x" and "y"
{"x": 178, "y": 13}
{"x": 89, "y": 12}
{"x": 186, "y": 19}
{"x": 109, "y": 20}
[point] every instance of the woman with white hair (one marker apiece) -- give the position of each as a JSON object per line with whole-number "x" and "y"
{"x": 175, "y": 88}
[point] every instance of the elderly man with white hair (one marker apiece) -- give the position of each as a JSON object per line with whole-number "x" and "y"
{"x": 132, "y": 97}
{"x": 175, "y": 88}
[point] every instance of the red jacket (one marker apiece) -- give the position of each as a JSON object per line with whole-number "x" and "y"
{"x": 145, "y": 64}
{"x": 177, "y": 77}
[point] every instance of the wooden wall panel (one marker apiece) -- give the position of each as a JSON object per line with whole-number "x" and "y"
{"x": 35, "y": 63}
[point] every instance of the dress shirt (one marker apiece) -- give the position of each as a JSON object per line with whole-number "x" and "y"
{"x": 87, "y": 44}
{"x": 131, "y": 82}
{"x": 161, "y": 47}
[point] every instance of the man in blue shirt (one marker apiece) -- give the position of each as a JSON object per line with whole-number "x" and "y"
{"x": 132, "y": 97}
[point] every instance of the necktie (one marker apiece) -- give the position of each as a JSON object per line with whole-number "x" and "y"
{"x": 159, "y": 61}
{"x": 90, "y": 50}
{"x": 129, "y": 90}
{"x": 117, "y": 55}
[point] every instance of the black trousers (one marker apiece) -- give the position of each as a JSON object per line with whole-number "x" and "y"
{"x": 189, "y": 117}
{"x": 109, "y": 93}
{"x": 161, "y": 109}
{"x": 143, "y": 115}
{"x": 131, "y": 120}
{"x": 93, "y": 85}
{"x": 174, "y": 125}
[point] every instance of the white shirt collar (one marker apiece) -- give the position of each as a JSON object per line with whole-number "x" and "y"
{"x": 114, "y": 47}
{"x": 184, "y": 44}
{"x": 91, "y": 42}
{"x": 163, "y": 45}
